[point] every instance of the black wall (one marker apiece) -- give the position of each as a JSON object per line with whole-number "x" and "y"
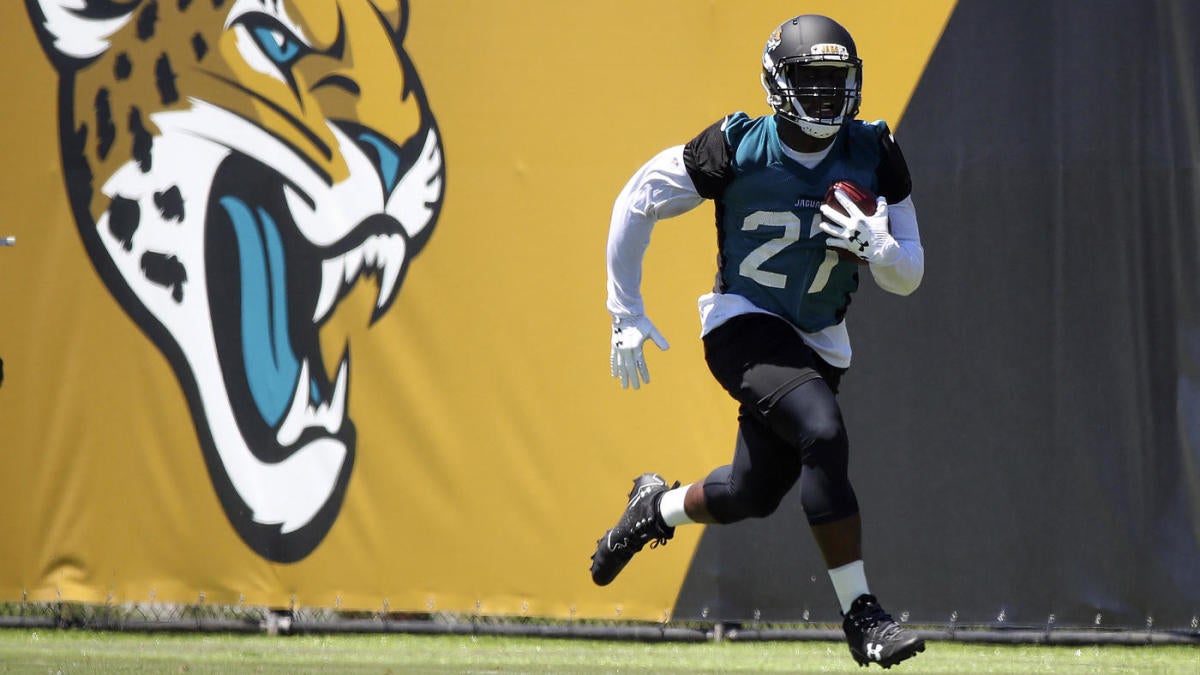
{"x": 1025, "y": 428}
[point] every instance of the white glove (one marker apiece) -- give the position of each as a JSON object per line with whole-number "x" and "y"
{"x": 627, "y": 361}
{"x": 867, "y": 237}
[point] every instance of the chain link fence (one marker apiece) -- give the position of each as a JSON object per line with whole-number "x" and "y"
{"x": 202, "y": 617}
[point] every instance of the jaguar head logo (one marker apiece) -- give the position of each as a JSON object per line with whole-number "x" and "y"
{"x": 235, "y": 168}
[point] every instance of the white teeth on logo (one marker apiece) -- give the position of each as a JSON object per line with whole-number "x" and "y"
{"x": 302, "y": 415}
{"x": 381, "y": 254}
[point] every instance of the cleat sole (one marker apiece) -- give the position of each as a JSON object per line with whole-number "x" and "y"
{"x": 902, "y": 654}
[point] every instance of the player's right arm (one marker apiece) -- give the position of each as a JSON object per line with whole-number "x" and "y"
{"x": 903, "y": 272}
{"x": 660, "y": 189}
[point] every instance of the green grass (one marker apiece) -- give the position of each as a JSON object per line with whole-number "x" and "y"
{"x": 77, "y": 651}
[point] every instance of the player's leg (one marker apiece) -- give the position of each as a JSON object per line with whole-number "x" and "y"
{"x": 782, "y": 382}
{"x": 809, "y": 418}
{"x": 763, "y": 470}
{"x": 654, "y": 509}
{"x": 788, "y": 418}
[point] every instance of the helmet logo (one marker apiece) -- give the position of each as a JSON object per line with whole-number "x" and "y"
{"x": 829, "y": 49}
{"x": 775, "y": 39}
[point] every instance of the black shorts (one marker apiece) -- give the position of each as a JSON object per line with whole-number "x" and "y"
{"x": 758, "y": 358}
{"x": 790, "y": 426}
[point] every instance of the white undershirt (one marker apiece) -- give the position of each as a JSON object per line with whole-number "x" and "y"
{"x": 662, "y": 189}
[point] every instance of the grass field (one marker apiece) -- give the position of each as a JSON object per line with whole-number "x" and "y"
{"x": 77, "y": 651}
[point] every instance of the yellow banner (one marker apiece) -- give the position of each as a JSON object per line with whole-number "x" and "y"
{"x": 306, "y": 305}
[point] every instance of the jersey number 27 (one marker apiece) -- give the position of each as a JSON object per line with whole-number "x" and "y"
{"x": 751, "y": 266}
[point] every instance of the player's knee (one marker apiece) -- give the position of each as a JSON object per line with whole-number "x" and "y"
{"x": 825, "y": 430}
{"x": 825, "y": 443}
{"x": 742, "y": 506}
{"x": 809, "y": 419}
{"x": 826, "y": 494}
{"x": 729, "y": 503}
{"x": 837, "y": 503}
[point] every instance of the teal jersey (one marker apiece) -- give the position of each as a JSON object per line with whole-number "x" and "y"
{"x": 771, "y": 249}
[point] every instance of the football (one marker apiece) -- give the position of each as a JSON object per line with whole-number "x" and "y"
{"x": 862, "y": 197}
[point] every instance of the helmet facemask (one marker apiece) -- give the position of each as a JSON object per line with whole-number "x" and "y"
{"x": 819, "y": 92}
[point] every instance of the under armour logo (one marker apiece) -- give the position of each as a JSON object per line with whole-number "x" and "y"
{"x": 875, "y": 650}
{"x": 862, "y": 242}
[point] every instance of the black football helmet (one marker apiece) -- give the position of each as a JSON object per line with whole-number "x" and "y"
{"x": 812, "y": 74}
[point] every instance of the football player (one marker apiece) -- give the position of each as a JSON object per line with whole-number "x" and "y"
{"x": 773, "y": 328}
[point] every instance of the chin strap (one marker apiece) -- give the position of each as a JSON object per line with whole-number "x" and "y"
{"x": 786, "y": 110}
{"x": 811, "y": 129}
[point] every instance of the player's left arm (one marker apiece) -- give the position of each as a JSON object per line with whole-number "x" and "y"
{"x": 903, "y": 272}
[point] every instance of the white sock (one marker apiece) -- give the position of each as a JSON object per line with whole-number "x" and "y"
{"x": 849, "y": 582}
{"x": 670, "y": 507}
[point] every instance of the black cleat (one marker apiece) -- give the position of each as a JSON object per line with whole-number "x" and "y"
{"x": 639, "y": 525}
{"x": 875, "y": 638}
